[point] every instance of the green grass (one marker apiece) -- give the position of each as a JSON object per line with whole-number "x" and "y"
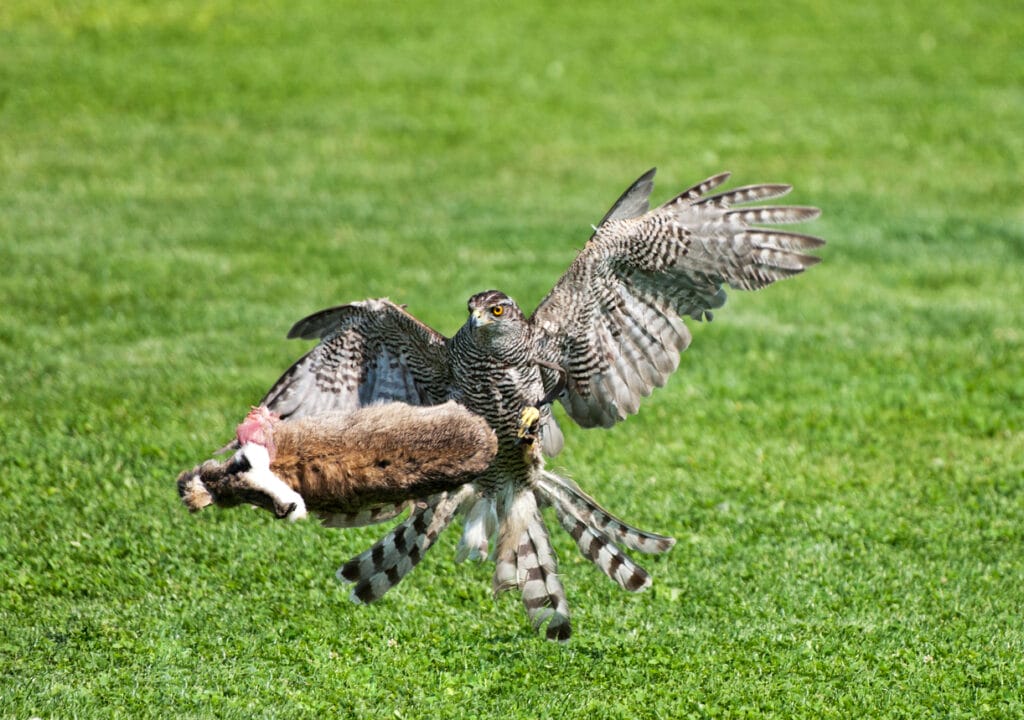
{"x": 840, "y": 456}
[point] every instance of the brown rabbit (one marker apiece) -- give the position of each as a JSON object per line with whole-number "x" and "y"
{"x": 351, "y": 468}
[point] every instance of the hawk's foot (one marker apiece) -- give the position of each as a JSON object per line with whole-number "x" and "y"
{"x": 529, "y": 421}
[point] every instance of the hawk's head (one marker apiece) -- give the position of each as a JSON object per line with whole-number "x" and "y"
{"x": 493, "y": 308}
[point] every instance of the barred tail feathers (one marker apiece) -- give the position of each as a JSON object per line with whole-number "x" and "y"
{"x": 600, "y": 550}
{"x": 526, "y": 560}
{"x": 377, "y": 570}
{"x": 597, "y": 531}
{"x": 568, "y": 498}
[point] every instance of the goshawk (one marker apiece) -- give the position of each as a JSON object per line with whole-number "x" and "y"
{"x": 609, "y": 332}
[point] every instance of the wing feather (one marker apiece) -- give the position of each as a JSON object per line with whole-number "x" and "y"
{"x": 749, "y": 193}
{"x": 633, "y": 202}
{"x": 702, "y": 188}
{"x": 614, "y": 319}
{"x": 369, "y": 351}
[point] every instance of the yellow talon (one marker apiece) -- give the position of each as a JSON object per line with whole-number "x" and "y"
{"x": 528, "y": 418}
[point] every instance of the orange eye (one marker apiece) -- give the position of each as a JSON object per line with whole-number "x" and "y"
{"x": 497, "y": 311}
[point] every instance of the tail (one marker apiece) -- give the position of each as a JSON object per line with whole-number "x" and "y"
{"x": 525, "y": 559}
{"x": 598, "y": 533}
{"x": 383, "y": 566}
{"x": 567, "y": 497}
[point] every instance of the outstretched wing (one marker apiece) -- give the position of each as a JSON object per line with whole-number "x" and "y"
{"x": 613, "y": 320}
{"x": 369, "y": 351}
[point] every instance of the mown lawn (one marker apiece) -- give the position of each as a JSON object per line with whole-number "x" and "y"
{"x": 841, "y": 456}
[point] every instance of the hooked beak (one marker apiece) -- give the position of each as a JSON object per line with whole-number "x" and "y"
{"x": 478, "y": 318}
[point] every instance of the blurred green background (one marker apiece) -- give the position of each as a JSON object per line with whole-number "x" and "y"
{"x": 840, "y": 456}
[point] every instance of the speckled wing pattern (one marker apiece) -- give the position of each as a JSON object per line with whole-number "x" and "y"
{"x": 613, "y": 321}
{"x": 369, "y": 351}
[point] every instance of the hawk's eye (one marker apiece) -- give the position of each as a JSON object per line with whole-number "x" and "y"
{"x": 497, "y": 311}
